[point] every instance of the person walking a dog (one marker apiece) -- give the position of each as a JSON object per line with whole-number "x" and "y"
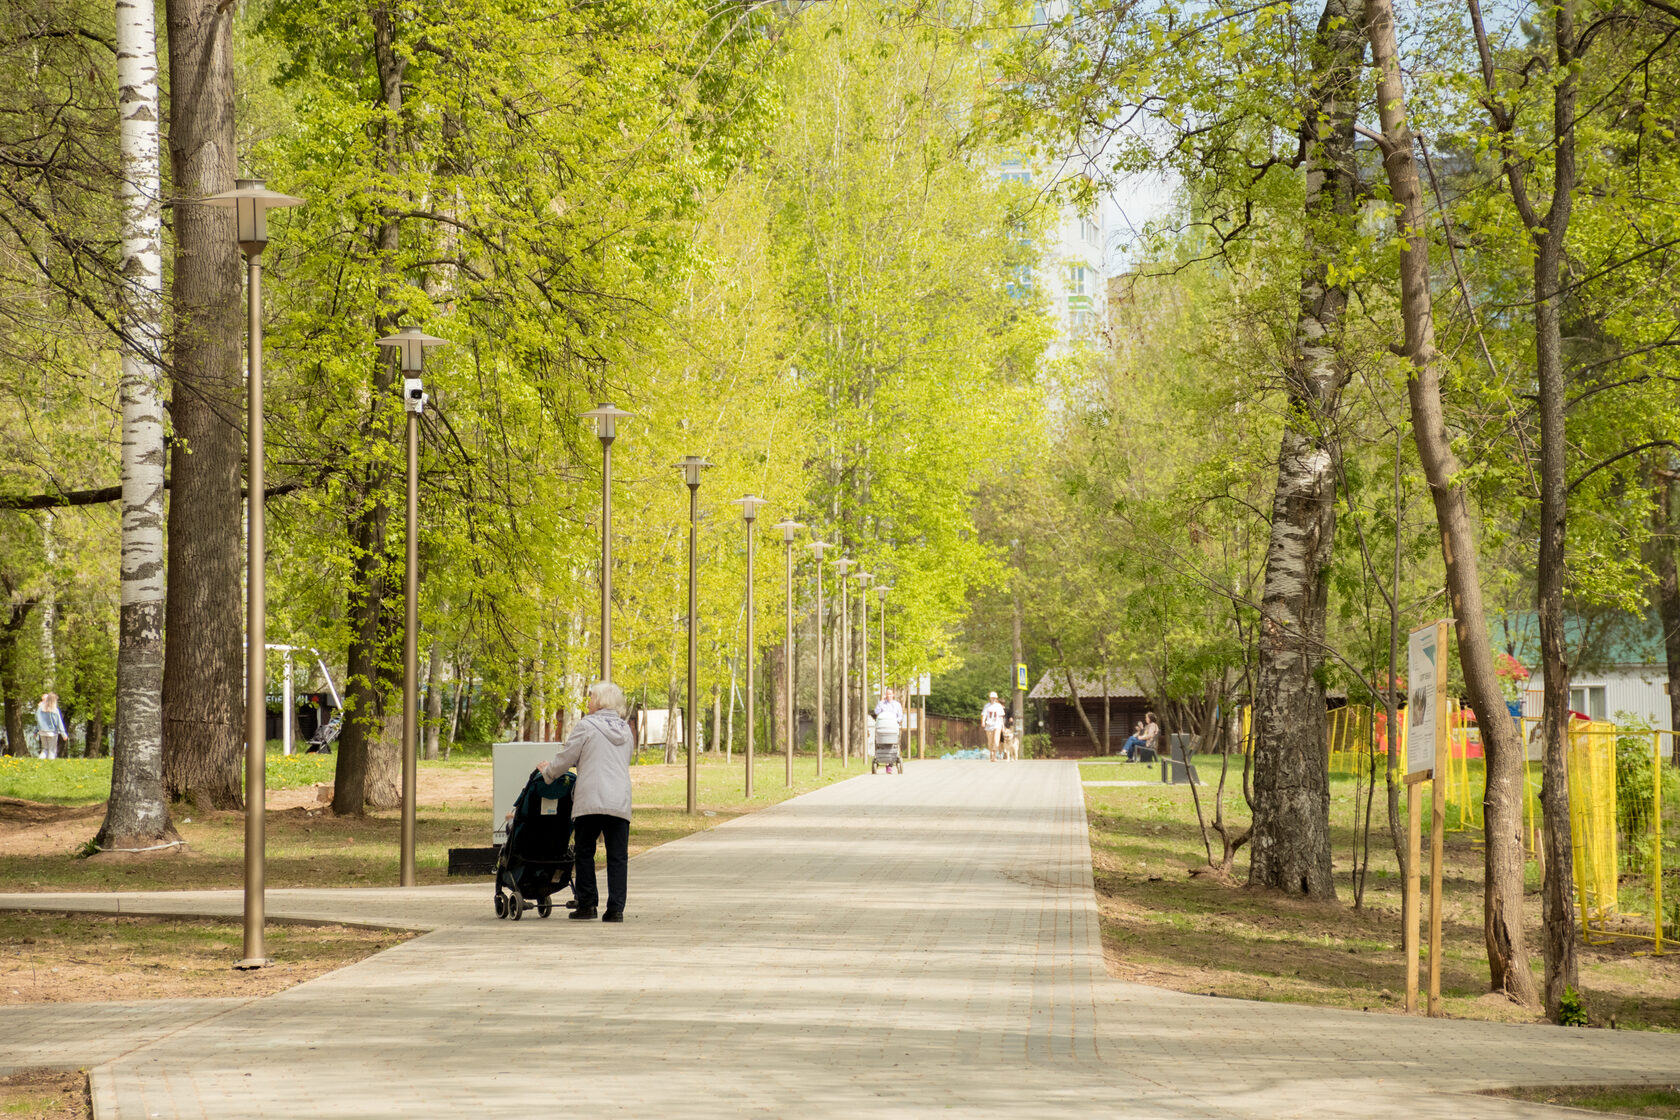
{"x": 991, "y": 722}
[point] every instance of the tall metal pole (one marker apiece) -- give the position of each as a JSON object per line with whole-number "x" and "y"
{"x": 693, "y": 649}
{"x": 752, "y": 653}
{"x": 691, "y": 466}
{"x": 606, "y": 419}
{"x": 881, "y": 593}
{"x": 844, "y": 565}
{"x": 787, "y": 663}
{"x": 256, "y": 632}
{"x": 411, "y": 651}
{"x": 251, "y": 201}
{"x": 819, "y": 547}
{"x": 749, "y": 513}
{"x": 606, "y": 557}
{"x": 411, "y": 344}
{"x": 864, "y": 706}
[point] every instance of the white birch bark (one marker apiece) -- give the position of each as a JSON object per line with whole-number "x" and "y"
{"x": 138, "y": 813}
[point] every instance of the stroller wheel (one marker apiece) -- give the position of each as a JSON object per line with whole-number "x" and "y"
{"x": 516, "y": 906}
{"x": 501, "y": 905}
{"x": 545, "y": 907}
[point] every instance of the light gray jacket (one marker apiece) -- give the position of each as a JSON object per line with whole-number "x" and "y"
{"x": 599, "y": 746}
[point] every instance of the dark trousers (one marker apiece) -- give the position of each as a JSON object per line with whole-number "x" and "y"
{"x": 616, "y": 831}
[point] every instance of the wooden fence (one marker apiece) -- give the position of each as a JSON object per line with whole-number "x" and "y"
{"x": 945, "y": 733}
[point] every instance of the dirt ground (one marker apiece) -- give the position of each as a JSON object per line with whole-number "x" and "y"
{"x": 1202, "y": 933}
{"x": 75, "y": 958}
{"x": 41, "y": 1094}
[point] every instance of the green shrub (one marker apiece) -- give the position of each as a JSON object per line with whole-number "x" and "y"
{"x": 1571, "y": 1011}
{"x": 1037, "y": 746}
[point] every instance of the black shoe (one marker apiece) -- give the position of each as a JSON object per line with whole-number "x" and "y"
{"x": 580, "y": 914}
{"x": 613, "y": 916}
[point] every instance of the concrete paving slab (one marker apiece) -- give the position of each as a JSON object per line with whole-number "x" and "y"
{"x": 895, "y": 945}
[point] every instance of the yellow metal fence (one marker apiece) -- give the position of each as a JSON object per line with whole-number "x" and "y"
{"x": 1616, "y": 807}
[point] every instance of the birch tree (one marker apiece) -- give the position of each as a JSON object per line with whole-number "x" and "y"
{"x": 137, "y": 814}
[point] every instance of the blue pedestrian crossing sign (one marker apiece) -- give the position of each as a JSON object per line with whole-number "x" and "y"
{"x": 1021, "y": 675}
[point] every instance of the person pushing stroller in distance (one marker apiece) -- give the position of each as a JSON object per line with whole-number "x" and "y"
{"x": 889, "y": 721}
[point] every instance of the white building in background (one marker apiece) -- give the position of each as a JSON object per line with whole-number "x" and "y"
{"x": 1071, "y": 275}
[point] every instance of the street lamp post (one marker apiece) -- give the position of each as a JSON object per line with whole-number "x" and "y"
{"x": 606, "y": 419}
{"x": 844, "y": 565}
{"x": 864, "y": 706}
{"x": 789, "y": 527}
{"x": 411, "y": 344}
{"x": 691, "y": 466}
{"x": 749, "y": 513}
{"x": 251, "y": 202}
{"x": 819, "y": 547}
{"x": 881, "y": 590}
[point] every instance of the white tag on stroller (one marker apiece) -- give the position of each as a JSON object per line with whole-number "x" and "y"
{"x": 550, "y": 806}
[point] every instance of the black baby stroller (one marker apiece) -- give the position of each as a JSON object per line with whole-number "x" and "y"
{"x": 536, "y": 861}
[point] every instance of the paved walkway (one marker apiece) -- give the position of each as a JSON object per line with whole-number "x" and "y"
{"x": 896, "y": 945}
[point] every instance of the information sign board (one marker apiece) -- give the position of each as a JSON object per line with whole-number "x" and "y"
{"x": 1021, "y": 676}
{"x": 1426, "y": 672}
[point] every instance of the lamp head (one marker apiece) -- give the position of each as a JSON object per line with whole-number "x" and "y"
{"x": 864, "y": 578}
{"x": 788, "y": 527}
{"x": 749, "y": 506}
{"x": 881, "y": 590}
{"x": 411, "y": 344}
{"x": 819, "y": 547}
{"x": 606, "y": 419}
{"x": 691, "y": 466}
{"x": 251, "y": 202}
{"x": 845, "y": 564}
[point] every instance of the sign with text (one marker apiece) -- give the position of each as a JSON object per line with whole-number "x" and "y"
{"x": 1021, "y": 676}
{"x": 922, "y": 684}
{"x": 1426, "y": 677}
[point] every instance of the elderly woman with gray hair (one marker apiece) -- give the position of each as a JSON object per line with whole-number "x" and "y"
{"x": 600, "y": 745}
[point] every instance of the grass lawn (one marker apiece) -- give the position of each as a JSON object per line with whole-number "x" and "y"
{"x": 1662, "y": 1101}
{"x": 1163, "y": 926}
{"x": 309, "y": 846}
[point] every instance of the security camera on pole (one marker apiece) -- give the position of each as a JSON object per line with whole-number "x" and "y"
{"x": 411, "y": 344}
{"x": 251, "y": 202}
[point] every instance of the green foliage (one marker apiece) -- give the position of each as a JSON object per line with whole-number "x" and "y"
{"x": 1036, "y": 746}
{"x": 1571, "y": 1012}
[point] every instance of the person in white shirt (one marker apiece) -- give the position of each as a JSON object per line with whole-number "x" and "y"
{"x": 889, "y": 719}
{"x": 991, "y": 722}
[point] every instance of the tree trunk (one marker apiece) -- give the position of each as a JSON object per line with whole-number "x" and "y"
{"x": 203, "y": 673}
{"x": 434, "y": 697}
{"x": 1666, "y": 546}
{"x": 717, "y": 717}
{"x": 775, "y": 661}
{"x": 367, "y": 752}
{"x": 1290, "y": 846}
{"x": 1018, "y": 698}
{"x": 11, "y": 690}
{"x": 1107, "y": 740}
{"x": 137, "y": 815}
{"x": 1073, "y": 691}
{"x": 1507, "y": 949}
{"x": 1558, "y": 901}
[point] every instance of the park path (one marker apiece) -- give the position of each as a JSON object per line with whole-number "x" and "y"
{"x": 889, "y": 946}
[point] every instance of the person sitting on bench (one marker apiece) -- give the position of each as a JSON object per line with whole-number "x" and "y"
{"x": 1129, "y": 749}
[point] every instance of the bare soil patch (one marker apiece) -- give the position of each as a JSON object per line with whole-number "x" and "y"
{"x": 76, "y": 958}
{"x": 46, "y": 1094}
{"x": 1165, "y": 924}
